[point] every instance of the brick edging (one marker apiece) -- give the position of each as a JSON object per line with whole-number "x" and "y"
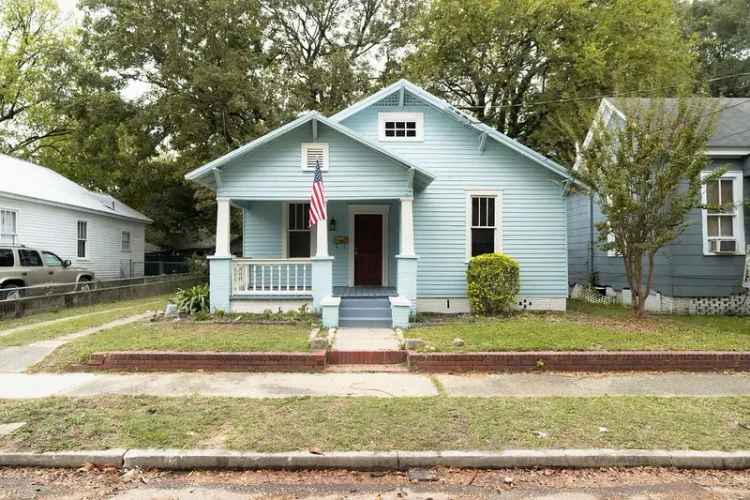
{"x": 391, "y": 357}
{"x": 208, "y": 361}
{"x": 580, "y": 361}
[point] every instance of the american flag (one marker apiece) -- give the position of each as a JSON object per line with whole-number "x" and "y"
{"x": 317, "y": 197}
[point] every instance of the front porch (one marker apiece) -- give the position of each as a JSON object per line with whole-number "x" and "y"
{"x": 365, "y": 248}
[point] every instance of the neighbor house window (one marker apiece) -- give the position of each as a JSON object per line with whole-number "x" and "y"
{"x": 722, "y": 218}
{"x": 82, "y": 238}
{"x": 483, "y": 231}
{"x": 401, "y": 126}
{"x": 125, "y": 241}
{"x": 299, "y": 238}
{"x": 8, "y": 219}
{"x": 313, "y": 153}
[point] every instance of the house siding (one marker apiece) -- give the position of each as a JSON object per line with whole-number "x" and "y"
{"x": 533, "y": 211}
{"x": 53, "y": 228}
{"x": 274, "y": 172}
{"x": 681, "y": 268}
{"x": 262, "y": 234}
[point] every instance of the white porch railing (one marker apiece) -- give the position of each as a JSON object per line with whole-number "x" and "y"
{"x": 271, "y": 277}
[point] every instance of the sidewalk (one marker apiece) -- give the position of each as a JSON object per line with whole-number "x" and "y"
{"x": 281, "y": 385}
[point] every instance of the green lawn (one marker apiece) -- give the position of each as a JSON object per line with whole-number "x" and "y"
{"x": 96, "y": 316}
{"x": 181, "y": 336}
{"x": 588, "y": 327}
{"x": 268, "y": 425}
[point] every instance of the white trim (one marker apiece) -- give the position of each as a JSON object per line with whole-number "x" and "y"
{"x": 728, "y": 152}
{"x": 739, "y": 218}
{"x": 285, "y": 230}
{"x": 77, "y": 208}
{"x": 498, "y": 195}
{"x": 401, "y": 116}
{"x": 326, "y": 157}
{"x": 383, "y": 210}
{"x": 460, "y": 305}
{"x": 15, "y": 225}
{"x": 129, "y": 248}
{"x": 79, "y": 239}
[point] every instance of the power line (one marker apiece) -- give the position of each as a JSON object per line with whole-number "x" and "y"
{"x": 595, "y": 98}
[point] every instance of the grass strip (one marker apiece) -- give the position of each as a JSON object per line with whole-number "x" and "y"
{"x": 7, "y": 324}
{"x": 115, "y": 311}
{"x": 270, "y": 425}
{"x": 587, "y": 327}
{"x": 181, "y": 336}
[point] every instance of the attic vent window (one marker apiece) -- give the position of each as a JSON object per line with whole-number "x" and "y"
{"x": 312, "y": 153}
{"x": 401, "y": 126}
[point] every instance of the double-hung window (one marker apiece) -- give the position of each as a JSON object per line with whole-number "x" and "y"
{"x": 723, "y": 216}
{"x": 483, "y": 223}
{"x": 82, "y": 239}
{"x": 8, "y": 228}
{"x": 299, "y": 237}
{"x": 125, "y": 241}
{"x": 401, "y": 126}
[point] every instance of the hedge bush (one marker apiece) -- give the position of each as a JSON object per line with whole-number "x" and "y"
{"x": 493, "y": 283}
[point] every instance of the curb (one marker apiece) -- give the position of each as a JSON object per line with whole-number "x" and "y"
{"x": 68, "y": 459}
{"x": 177, "y": 459}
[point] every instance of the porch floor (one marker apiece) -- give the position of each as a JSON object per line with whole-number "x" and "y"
{"x": 364, "y": 291}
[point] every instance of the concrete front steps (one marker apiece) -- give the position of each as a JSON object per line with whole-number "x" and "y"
{"x": 365, "y": 312}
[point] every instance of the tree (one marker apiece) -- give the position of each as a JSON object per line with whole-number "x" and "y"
{"x": 522, "y": 65}
{"x": 329, "y": 50}
{"x": 34, "y": 75}
{"x": 645, "y": 173}
{"x": 722, "y": 29}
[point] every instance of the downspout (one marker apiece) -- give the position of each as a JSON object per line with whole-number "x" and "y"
{"x": 591, "y": 238}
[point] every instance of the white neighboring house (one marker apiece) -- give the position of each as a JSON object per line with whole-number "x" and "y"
{"x": 41, "y": 208}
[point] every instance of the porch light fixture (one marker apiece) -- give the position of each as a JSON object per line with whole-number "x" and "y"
{"x": 332, "y": 225}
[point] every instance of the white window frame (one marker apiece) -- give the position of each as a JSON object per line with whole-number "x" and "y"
{"x": 125, "y": 248}
{"x": 315, "y": 145}
{"x": 85, "y": 239}
{"x": 14, "y": 234}
{"x": 498, "y": 195}
{"x": 739, "y": 217}
{"x": 401, "y": 116}
{"x": 285, "y": 231}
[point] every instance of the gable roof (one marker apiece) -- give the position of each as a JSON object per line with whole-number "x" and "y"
{"x": 28, "y": 180}
{"x": 732, "y": 125}
{"x": 212, "y": 166}
{"x": 455, "y": 113}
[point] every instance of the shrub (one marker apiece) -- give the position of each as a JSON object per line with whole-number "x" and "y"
{"x": 192, "y": 300}
{"x": 493, "y": 283}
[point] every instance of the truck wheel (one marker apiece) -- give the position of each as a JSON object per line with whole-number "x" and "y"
{"x": 10, "y": 292}
{"x": 85, "y": 285}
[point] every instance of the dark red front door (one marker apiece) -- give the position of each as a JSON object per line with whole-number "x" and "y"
{"x": 368, "y": 249}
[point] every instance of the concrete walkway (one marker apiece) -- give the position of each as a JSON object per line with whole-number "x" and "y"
{"x": 18, "y": 359}
{"x": 365, "y": 339}
{"x": 279, "y": 385}
{"x": 34, "y": 326}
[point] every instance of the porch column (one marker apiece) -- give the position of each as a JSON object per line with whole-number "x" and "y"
{"x": 406, "y": 284}
{"x": 220, "y": 264}
{"x": 322, "y": 266}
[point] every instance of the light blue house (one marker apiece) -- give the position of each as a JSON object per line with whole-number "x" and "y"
{"x": 704, "y": 270}
{"x": 415, "y": 187}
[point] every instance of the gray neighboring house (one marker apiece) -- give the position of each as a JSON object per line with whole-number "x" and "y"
{"x": 41, "y": 208}
{"x": 705, "y": 269}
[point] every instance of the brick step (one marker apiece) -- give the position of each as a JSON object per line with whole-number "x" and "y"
{"x": 366, "y": 357}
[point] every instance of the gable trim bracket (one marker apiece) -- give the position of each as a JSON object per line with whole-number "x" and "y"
{"x": 482, "y": 142}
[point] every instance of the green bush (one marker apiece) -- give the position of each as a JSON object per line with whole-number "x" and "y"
{"x": 493, "y": 283}
{"x": 192, "y": 300}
